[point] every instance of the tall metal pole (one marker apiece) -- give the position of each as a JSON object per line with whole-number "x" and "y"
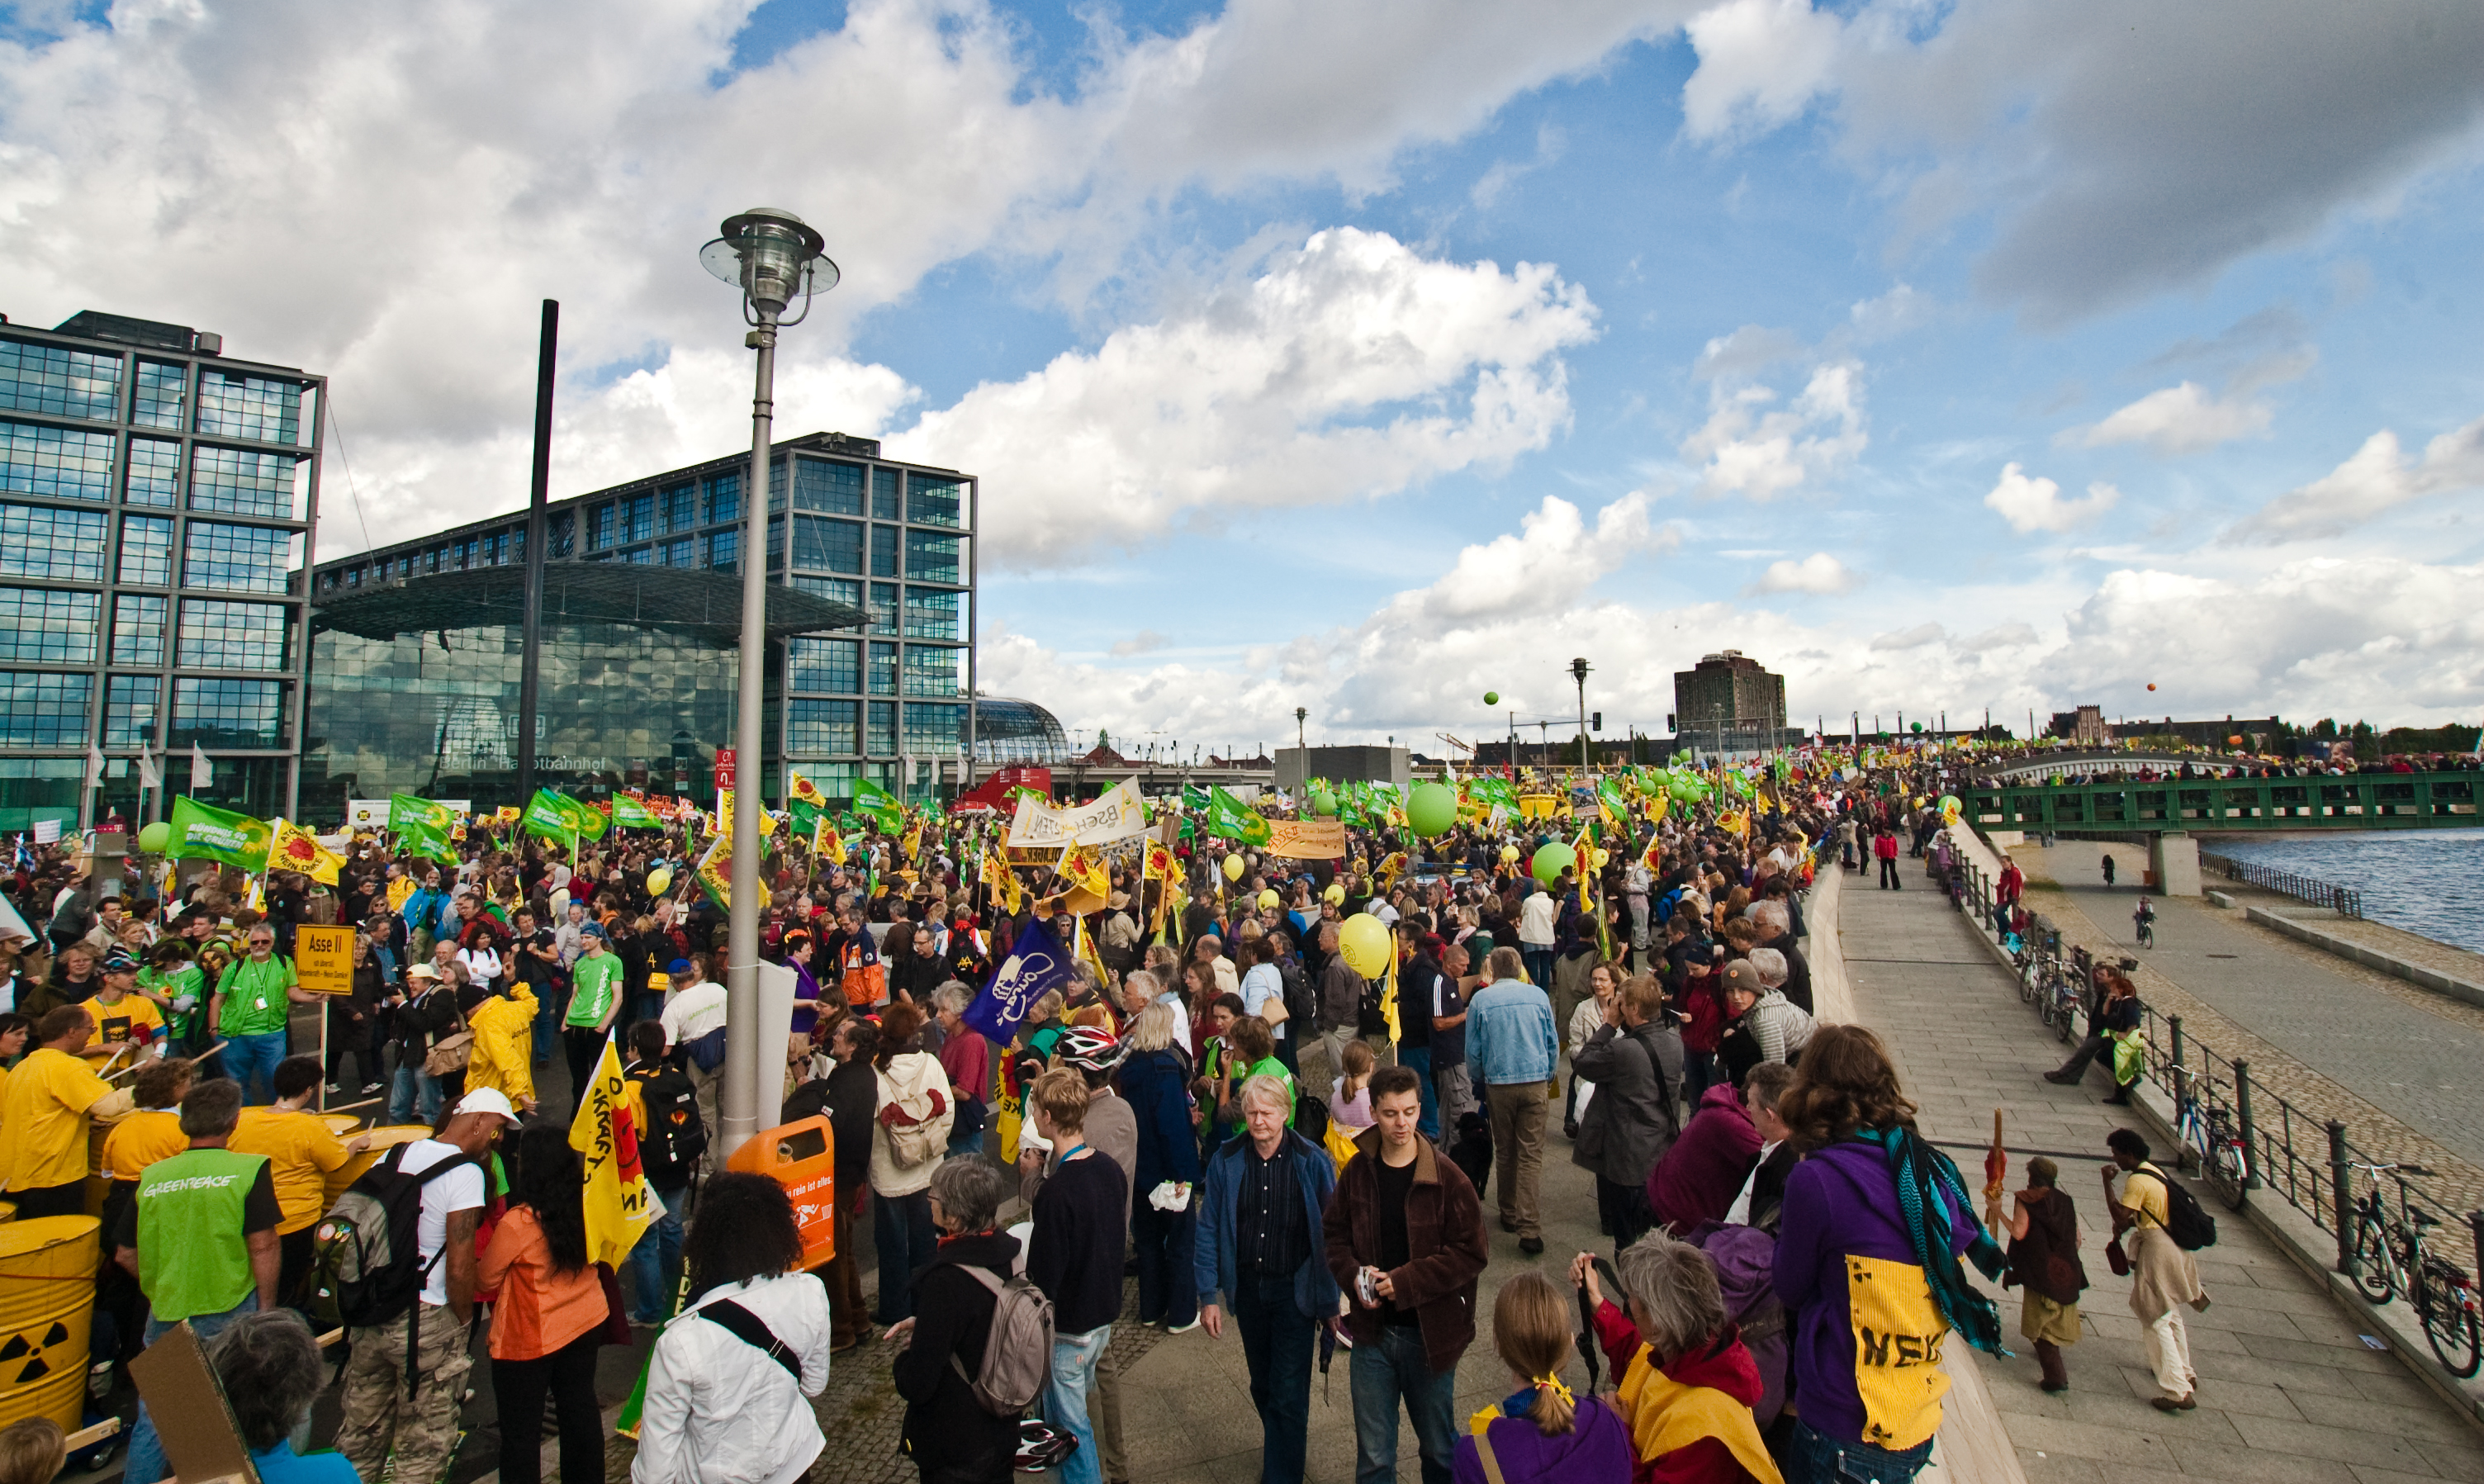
{"x": 529, "y": 680}
{"x": 1578, "y": 672}
{"x": 742, "y": 1064}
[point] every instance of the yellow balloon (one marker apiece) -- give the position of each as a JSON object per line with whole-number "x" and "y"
{"x": 1601, "y": 855}
{"x": 1363, "y": 940}
{"x": 657, "y": 880}
{"x": 1508, "y": 854}
{"x": 1234, "y": 867}
{"x": 1335, "y": 893}
{"x": 1268, "y": 899}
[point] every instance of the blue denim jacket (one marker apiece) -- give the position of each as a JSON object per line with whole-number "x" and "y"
{"x": 1213, "y": 1253}
{"x": 1510, "y": 1035}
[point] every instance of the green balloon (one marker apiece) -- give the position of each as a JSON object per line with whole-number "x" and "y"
{"x": 1323, "y": 803}
{"x": 1431, "y": 809}
{"x": 1491, "y": 699}
{"x": 1551, "y": 860}
{"x": 155, "y": 837}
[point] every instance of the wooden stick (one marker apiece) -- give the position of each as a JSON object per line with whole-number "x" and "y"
{"x": 86, "y": 1436}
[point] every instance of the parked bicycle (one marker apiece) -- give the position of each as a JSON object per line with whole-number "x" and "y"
{"x": 2210, "y": 1131}
{"x": 2392, "y": 1261}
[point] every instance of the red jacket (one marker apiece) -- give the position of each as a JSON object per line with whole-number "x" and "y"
{"x": 1698, "y": 1178}
{"x": 1885, "y": 846}
{"x": 1724, "y": 1365}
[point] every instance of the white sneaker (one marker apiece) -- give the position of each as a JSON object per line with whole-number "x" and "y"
{"x": 1182, "y": 1328}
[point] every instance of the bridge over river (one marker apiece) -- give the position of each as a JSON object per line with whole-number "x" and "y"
{"x": 2125, "y": 804}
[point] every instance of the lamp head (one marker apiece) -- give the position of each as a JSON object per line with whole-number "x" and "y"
{"x": 1579, "y": 670}
{"x": 772, "y": 255}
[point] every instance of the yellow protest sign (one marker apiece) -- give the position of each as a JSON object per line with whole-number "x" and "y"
{"x": 323, "y": 957}
{"x": 1305, "y": 839}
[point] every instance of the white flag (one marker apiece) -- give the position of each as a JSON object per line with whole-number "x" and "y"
{"x": 94, "y": 765}
{"x": 148, "y": 777}
{"x": 907, "y": 760}
{"x": 202, "y": 775}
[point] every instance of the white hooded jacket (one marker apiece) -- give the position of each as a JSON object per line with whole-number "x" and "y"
{"x": 912, "y": 1087}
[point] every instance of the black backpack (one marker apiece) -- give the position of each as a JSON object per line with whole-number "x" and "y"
{"x": 1302, "y": 1002}
{"x": 2190, "y": 1227}
{"x": 369, "y": 1262}
{"x": 669, "y": 1146}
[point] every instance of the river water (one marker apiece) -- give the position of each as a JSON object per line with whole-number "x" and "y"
{"x": 2429, "y": 881}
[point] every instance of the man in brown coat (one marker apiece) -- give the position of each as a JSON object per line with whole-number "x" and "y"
{"x": 1406, "y": 1243}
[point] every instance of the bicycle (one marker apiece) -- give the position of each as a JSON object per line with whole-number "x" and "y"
{"x": 2145, "y": 924}
{"x": 2392, "y": 1261}
{"x": 2207, "y": 1128}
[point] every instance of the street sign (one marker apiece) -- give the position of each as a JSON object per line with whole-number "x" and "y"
{"x": 323, "y": 959}
{"x": 724, "y": 767}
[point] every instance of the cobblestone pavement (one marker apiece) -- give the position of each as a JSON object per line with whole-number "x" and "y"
{"x": 2395, "y": 1063}
{"x": 2287, "y": 1392}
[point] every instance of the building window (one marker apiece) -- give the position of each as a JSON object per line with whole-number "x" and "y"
{"x": 239, "y": 483}
{"x": 883, "y": 550}
{"x": 833, "y": 665}
{"x": 162, "y": 388}
{"x": 62, "y": 462}
{"x": 55, "y": 379}
{"x": 835, "y": 780}
{"x": 599, "y": 528}
{"x": 39, "y": 625}
{"x": 678, "y": 553}
{"x": 723, "y": 549}
{"x": 40, "y": 710}
{"x": 640, "y": 556}
{"x": 233, "y": 636}
{"x": 637, "y": 518}
{"x": 775, "y": 542}
{"x": 884, "y": 669}
{"x": 933, "y": 614}
{"x": 138, "y": 630}
{"x": 834, "y": 589}
{"x": 154, "y": 473}
{"x": 146, "y": 550}
{"x": 680, "y": 507}
{"x": 218, "y": 713}
{"x": 60, "y": 546}
{"x": 827, "y": 487}
{"x": 561, "y": 535}
{"x": 933, "y": 557}
{"x": 129, "y": 706}
{"x": 238, "y": 559}
{"x": 881, "y": 740}
{"x": 820, "y": 727}
{"x": 724, "y": 496}
{"x": 883, "y": 609}
{"x": 930, "y": 671}
{"x": 933, "y": 730}
{"x": 826, "y": 546}
{"x": 776, "y": 485}
{"x": 233, "y": 405}
{"x": 884, "y": 495}
{"x": 934, "y": 501}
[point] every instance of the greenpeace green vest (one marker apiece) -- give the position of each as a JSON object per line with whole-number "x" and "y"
{"x": 193, "y": 1257}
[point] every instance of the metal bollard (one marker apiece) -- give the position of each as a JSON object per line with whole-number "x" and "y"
{"x": 2343, "y": 1193}
{"x": 2245, "y": 1125}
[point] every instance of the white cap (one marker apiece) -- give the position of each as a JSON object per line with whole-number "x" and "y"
{"x": 490, "y": 1101}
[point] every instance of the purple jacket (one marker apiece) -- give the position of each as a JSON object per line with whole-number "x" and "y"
{"x": 1698, "y": 1178}
{"x": 1597, "y": 1450}
{"x": 1840, "y": 1201}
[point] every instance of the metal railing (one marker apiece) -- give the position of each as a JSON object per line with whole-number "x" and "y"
{"x": 2345, "y": 900}
{"x": 2307, "y": 1159}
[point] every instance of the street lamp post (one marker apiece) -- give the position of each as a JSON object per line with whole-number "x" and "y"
{"x": 774, "y": 255}
{"x": 1578, "y": 672}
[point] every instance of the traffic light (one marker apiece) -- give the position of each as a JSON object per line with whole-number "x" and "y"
{"x": 1670, "y": 724}
{"x": 1596, "y": 721}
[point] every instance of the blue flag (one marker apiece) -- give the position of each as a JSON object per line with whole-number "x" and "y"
{"x": 1036, "y": 964}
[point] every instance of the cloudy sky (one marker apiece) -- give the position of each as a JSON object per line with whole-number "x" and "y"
{"x": 1366, "y": 357}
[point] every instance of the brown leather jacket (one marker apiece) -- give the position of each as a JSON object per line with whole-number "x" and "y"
{"x": 1446, "y": 1248}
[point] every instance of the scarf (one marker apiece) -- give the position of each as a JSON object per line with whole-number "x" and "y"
{"x": 1929, "y": 1190}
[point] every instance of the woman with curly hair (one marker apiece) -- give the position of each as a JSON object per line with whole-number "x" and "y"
{"x": 549, "y": 1318}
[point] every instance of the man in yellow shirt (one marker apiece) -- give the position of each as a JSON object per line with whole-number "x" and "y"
{"x": 503, "y": 1059}
{"x": 301, "y": 1151}
{"x": 124, "y": 1017}
{"x": 43, "y": 1114}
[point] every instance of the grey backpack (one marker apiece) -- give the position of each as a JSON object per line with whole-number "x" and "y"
{"x": 1017, "y": 1351}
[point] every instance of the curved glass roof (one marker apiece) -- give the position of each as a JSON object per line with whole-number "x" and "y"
{"x": 1012, "y": 732}
{"x": 701, "y": 605}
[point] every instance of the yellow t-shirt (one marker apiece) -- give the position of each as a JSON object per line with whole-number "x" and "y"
{"x": 300, "y": 1153}
{"x": 135, "y": 1017}
{"x": 42, "y": 1118}
{"x": 2143, "y": 1193}
{"x": 139, "y": 1140}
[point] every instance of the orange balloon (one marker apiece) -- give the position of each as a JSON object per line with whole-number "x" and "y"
{"x": 2151, "y": 685}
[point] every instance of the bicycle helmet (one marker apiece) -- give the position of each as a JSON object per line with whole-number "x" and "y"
{"x": 1041, "y": 1445}
{"x": 1088, "y": 1049}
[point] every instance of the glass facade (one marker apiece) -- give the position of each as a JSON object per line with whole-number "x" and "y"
{"x": 214, "y": 466}
{"x": 887, "y": 539}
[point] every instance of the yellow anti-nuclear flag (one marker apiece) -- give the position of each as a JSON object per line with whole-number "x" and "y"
{"x": 291, "y": 848}
{"x": 1002, "y": 880}
{"x": 620, "y": 1205}
{"x": 825, "y": 843}
{"x": 1084, "y": 867}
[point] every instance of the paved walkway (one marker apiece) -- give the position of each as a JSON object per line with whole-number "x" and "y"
{"x": 2289, "y": 1393}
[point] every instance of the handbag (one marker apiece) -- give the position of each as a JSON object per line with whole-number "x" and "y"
{"x": 450, "y": 1053}
{"x": 2116, "y": 1258}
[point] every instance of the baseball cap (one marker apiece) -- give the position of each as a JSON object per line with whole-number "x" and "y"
{"x": 678, "y": 967}
{"x": 490, "y": 1101}
{"x": 423, "y": 971}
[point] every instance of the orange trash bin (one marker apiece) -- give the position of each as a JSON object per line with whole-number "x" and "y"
{"x": 803, "y": 1157}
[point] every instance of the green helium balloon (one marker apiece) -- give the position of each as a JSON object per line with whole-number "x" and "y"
{"x": 1551, "y": 860}
{"x": 155, "y": 837}
{"x": 1491, "y": 699}
{"x": 1323, "y": 803}
{"x": 1683, "y": 789}
{"x": 1431, "y": 809}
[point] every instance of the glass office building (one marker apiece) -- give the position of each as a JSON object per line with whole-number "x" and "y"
{"x": 870, "y": 665}
{"x": 156, "y": 504}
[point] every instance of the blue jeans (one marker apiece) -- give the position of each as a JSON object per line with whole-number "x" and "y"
{"x": 549, "y": 1007}
{"x": 1167, "y": 1286}
{"x": 967, "y": 1144}
{"x": 1074, "y": 1358}
{"x": 259, "y": 1054}
{"x": 901, "y": 1227}
{"x": 146, "y": 1463}
{"x": 1539, "y": 965}
{"x": 412, "y": 1087}
{"x": 1698, "y": 1075}
{"x": 1814, "y": 1458}
{"x": 1385, "y": 1370}
{"x": 1277, "y": 1345}
{"x": 656, "y": 1263}
{"x": 1428, "y": 1121}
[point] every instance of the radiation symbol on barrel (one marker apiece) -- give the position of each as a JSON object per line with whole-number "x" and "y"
{"x": 20, "y": 1348}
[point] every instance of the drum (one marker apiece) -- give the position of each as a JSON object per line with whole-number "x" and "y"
{"x": 383, "y": 1140}
{"x": 47, "y": 1268}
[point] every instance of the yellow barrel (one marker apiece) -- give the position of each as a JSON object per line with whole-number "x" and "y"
{"x": 344, "y": 1126}
{"x": 8, "y": 1210}
{"x": 47, "y": 1268}
{"x": 383, "y": 1140}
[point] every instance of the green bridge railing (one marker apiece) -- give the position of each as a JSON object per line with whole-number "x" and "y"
{"x": 2426, "y": 800}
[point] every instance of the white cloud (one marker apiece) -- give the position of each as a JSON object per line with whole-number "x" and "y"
{"x": 1750, "y": 349}
{"x": 1817, "y": 573}
{"x": 1753, "y": 449}
{"x": 1547, "y": 566}
{"x": 2176, "y": 419}
{"x": 2377, "y": 479}
{"x": 1761, "y": 62}
{"x": 1351, "y": 367}
{"x": 1916, "y": 638}
{"x": 1893, "y": 313}
{"x": 1144, "y": 641}
{"x": 2034, "y": 504}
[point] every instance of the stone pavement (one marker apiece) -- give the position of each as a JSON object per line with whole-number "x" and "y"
{"x": 2287, "y": 1392}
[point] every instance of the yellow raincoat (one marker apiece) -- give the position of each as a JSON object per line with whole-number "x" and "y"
{"x": 503, "y": 1044}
